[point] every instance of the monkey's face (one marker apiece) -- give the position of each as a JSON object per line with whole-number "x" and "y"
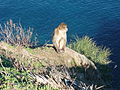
{"x": 63, "y": 27}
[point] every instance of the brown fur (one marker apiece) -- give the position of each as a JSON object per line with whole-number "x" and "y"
{"x": 60, "y": 38}
{"x": 62, "y": 26}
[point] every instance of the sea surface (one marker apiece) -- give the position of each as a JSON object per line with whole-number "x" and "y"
{"x": 99, "y": 19}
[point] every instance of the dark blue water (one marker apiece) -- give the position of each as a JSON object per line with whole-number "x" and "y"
{"x": 99, "y": 19}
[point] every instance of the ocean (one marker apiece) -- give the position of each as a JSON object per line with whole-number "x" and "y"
{"x": 98, "y": 19}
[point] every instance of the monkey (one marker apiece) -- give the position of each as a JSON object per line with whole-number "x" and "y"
{"x": 59, "y": 38}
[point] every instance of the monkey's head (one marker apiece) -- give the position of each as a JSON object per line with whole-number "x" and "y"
{"x": 63, "y": 26}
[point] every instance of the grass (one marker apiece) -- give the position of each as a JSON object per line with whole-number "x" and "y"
{"x": 99, "y": 55}
{"x": 13, "y": 79}
{"x": 88, "y": 47}
{"x": 10, "y": 75}
{"x": 15, "y": 34}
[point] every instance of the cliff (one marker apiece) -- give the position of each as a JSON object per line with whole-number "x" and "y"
{"x": 37, "y": 60}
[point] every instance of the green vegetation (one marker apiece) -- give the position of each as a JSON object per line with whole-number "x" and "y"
{"x": 11, "y": 78}
{"x": 99, "y": 55}
{"x": 18, "y": 41}
{"x": 88, "y": 47}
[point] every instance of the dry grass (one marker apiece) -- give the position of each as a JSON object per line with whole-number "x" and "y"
{"x": 15, "y": 34}
{"x": 31, "y": 60}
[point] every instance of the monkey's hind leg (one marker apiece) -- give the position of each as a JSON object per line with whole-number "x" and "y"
{"x": 63, "y": 48}
{"x": 56, "y": 47}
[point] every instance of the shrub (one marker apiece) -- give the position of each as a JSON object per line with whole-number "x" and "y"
{"x": 14, "y": 79}
{"x": 15, "y": 34}
{"x": 88, "y": 47}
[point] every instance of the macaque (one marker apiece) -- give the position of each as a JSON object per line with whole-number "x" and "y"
{"x": 60, "y": 38}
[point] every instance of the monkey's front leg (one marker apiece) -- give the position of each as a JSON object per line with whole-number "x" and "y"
{"x": 64, "y": 46}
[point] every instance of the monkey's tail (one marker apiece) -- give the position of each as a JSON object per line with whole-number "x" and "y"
{"x": 48, "y": 45}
